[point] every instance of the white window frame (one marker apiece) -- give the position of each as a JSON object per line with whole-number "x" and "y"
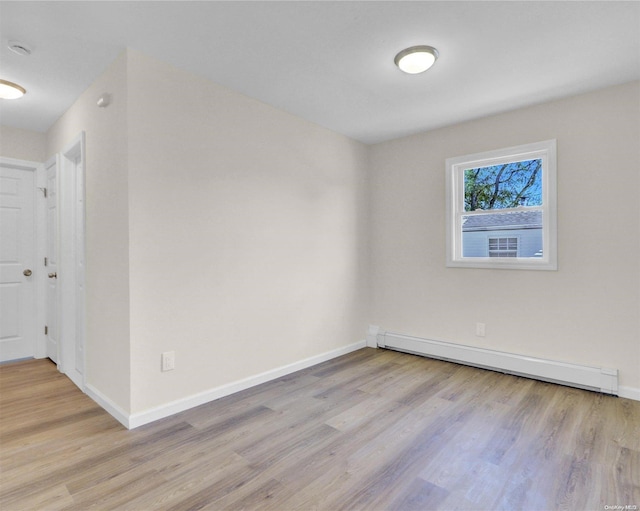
{"x": 455, "y": 167}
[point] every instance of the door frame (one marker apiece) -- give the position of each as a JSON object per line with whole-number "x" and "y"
{"x": 41, "y": 253}
{"x": 71, "y": 261}
{"x": 43, "y": 351}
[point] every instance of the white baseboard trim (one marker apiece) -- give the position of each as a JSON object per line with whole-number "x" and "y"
{"x": 114, "y": 410}
{"x": 159, "y": 412}
{"x": 599, "y": 379}
{"x": 629, "y": 393}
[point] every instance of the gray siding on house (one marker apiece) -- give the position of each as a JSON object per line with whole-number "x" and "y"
{"x": 476, "y": 243}
{"x": 526, "y": 226}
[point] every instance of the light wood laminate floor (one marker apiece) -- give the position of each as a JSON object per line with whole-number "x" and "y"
{"x": 372, "y": 430}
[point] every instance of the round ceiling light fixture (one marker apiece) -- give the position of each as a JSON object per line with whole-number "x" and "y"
{"x": 10, "y": 90}
{"x": 416, "y": 59}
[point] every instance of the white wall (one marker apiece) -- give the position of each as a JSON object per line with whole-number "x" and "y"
{"x": 107, "y": 236}
{"x": 218, "y": 227}
{"x": 588, "y": 311}
{"x": 22, "y": 144}
{"x": 248, "y": 233}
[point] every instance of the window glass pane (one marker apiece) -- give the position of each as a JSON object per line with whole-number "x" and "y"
{"x": 508, "y": 185}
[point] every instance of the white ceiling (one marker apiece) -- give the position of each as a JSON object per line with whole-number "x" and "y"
{"x": 330, "y": 62}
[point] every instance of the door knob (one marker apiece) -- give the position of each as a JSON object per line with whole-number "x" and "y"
{"x": 53, "y": 275}
{"x": 27, "y": 273}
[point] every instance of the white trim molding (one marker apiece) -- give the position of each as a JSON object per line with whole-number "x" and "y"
{"x": 114, "y": 410}
{"x": 629, "y": 393}
{"x": 456, "y": 168}
{"x": 71, "y": 256}
{"x": 159, "y": 412}
{"x": 41, "y": 249}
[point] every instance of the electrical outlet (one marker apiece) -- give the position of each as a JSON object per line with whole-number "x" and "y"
{"x": 168, "y": 360}
{"x": 480, "y": 332}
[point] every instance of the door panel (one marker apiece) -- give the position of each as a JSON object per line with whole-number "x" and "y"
{"x": 17, "y": 263}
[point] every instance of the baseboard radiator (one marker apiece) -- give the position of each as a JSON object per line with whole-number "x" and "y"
{"x": 598, "y": 379}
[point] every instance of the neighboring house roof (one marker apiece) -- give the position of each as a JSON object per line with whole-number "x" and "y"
{"x": 503, "y": 221}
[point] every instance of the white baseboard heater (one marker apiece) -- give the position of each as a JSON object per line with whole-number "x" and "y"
{"x": 598, "y": 379}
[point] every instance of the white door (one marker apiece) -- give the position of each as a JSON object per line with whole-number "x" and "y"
{"x": 17, "y": 262}
{"x": 52, "y": 260}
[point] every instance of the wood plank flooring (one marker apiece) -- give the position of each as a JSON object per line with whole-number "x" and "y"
{"x": 372, "y": 430}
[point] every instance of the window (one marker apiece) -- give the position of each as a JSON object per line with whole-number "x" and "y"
{"x": 503, "y": 247}
{"x": 501, "y": 208}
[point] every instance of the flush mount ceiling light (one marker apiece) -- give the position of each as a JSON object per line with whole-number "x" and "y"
{"x": 10, "y": 90}
{"x": 416, "y": 59}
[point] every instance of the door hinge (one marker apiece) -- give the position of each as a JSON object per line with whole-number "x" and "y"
{"x": 44, "y": 191}
{"x": 46, "y": 330}
{"x": 45, "y": 261}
